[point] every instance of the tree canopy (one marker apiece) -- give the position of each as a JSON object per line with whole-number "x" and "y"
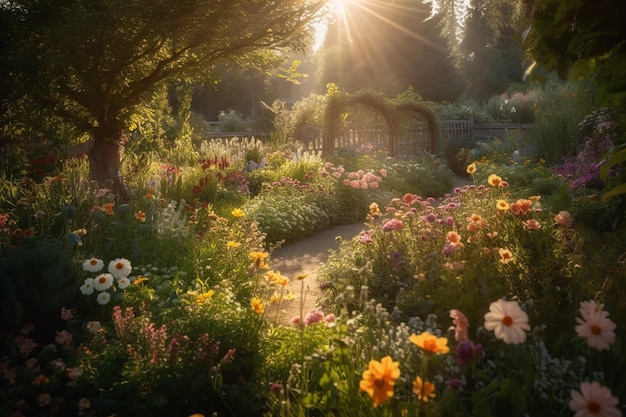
{"x": 92, "y": 63}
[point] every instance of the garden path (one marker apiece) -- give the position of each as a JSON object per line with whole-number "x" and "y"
{"x": 306, "y": 256}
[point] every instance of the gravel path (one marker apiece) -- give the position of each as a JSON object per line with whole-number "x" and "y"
{"x": 305, "y": 256}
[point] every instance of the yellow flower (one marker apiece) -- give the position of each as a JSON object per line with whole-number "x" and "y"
{"x": 494, "y": 180}
{"x": 231, "y": 244}
{"x": 423, "y": 389}
{"x": 471, "y": 168}
{"x": 374, "y": 210}
{"x": 139, "y": 280}
{"x": 238, "y": 213}
{"x": 258, "y": 259}
{"x": 257, "y": 305}
{"x": 430, "y": 343}
{"x": 204, "y": 297}
{"x": 502, "y": 205}
{"x": 379, "y": 379}
{"x": 301, "y": 276}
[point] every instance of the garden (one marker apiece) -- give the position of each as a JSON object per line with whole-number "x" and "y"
{"x": 504, "y": 297}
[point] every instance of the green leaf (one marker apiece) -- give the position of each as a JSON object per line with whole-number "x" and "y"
{"x": 480, "y": 405}
{"x": 620, "y": 189}
{"x": 582, "y": 69}
{"x": 616, "y": 158}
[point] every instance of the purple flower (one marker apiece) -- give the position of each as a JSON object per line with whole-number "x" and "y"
{"x": 467, "y": 351}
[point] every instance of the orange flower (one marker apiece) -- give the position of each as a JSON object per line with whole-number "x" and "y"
{"x": 139, "y": 280}
{"x": 430, "y": 343}
{"x": 471, "y": 168}
{"x": 495, "y": 181}
{"x": 506, "y": 255}
{"x": 108, "y": 208}
{"x": 521, "y": 207}
{"x": 379, "y": 379}
{"x": 374, "y": 210}
{"x": 454, "y": 238}
{"x": 30, "y": 232}
{"x": 423, "y": 389}
{"x": 141, "y": 216}
{"x": 257, "y": 305}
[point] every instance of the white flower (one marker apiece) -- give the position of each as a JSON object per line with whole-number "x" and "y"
{"x": 123, "y": 283}
{"x": 93, "y": 265}
{"x": 88, "y": 287}
{"x": 120, "y": 268}
{"x": 103, "y": 282}
{"x": 103, "y": 298}
{"x": 508, "y": 321}
{"x": 94, "y": 326}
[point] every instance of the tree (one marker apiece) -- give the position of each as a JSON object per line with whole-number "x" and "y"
{"x": 580, "y": 39}
{"x": 93, "y": 62}
{"x": 584, "y": 39}
{"x": 490, "y": 54}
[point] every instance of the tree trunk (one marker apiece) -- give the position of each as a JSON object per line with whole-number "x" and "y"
{"x": 104, "y": 165}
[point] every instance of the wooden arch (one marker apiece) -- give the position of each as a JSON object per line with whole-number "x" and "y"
{"x": 427, "y": 115}
{"x": 338, "y": 103}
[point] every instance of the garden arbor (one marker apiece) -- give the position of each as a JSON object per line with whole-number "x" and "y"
{"x": 338, "y": 103}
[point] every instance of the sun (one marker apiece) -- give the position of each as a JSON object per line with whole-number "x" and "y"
{"x": 335, "y": 9}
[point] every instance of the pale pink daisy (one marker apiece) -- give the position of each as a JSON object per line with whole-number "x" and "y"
{"x": 596, "y": 327}
{"x": 508, "y": 321}
{"x": 594, "y": 400}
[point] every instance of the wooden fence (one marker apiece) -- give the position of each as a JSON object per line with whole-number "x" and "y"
{"x": 413, "y": 140}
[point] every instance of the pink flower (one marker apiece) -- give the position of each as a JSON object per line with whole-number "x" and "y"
{"x": 531, "y": 224}
{"x": 593, "y": 400}
{"x": 461, "y": 325}
{"x": 313, "y": 316}
{"x": 295, "y": 320}
{"x": 66, "y": 314}
{"x": 393, "y": 224}
{"x": 595, "y": 326}
{"x": 564, "y": 219}
{"x": 64, "y": 338}
{"x": 27, "y": 346}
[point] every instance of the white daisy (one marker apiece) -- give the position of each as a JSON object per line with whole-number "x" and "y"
{"x": 103, "y": 298}
{"x": 120, "y": 268}
{"x": 123, "y": 283}
{"x": 88, "y": 287}
{"x": 103, "y": 282}
{"x": 93, "y": 265}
